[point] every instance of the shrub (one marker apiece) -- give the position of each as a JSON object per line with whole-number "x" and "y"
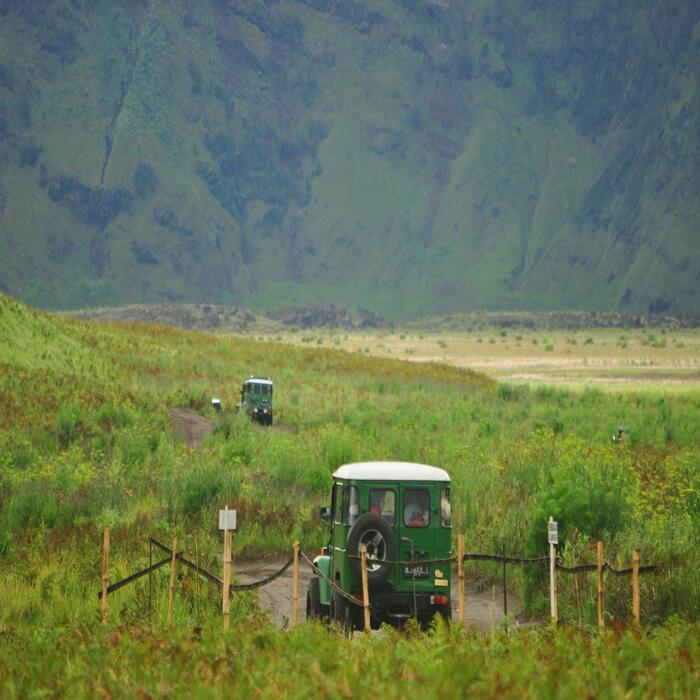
{"x": 207, "y": 482}
{"x": 69, "y": 423}
{"x": 511, "y": 392}
{"x": 587, "y": 496}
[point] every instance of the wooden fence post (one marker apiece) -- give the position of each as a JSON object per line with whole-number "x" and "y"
{"x": 295, "y": 583}
{"x": 460, "y": 578}
{"x": 601, "y": 616}
{"x": 365, "y": 588}
{"x": 171, "y": 589}
{"x": 553, "y": 609}
{"x": 635, "y": 586}
{"x": 105, "y": 574}
{"x": 227, "y": 577}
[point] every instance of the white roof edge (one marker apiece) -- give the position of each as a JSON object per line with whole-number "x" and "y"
{"x": 258, "y": 380}
{"x": 390, "y": 471}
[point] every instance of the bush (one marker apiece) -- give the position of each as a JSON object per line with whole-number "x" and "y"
{"x": 205, "y": 484}
{"x": 69, "y": 423}
{"x": 589, "y": 496}
{"x": 511, "y": 392}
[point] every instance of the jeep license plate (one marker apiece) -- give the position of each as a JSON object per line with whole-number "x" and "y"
{"x": 419, "y": 571}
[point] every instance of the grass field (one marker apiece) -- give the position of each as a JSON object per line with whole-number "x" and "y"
{"x": 610, "y": 359}
{"x": 86, "y": 441}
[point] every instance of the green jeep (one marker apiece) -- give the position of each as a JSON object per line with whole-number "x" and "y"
{"x": 401, "y": 512}
{"x": 256, "y": 399}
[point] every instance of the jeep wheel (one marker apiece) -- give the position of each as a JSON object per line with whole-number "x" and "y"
{"x": 444, "y": 611}
{"x": 313, "y": 600}
{"x": 340, "y": 613}
{"x": 376, "y": 534}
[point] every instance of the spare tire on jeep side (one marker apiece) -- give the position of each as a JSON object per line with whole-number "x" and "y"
{"x": 376, "y": 534}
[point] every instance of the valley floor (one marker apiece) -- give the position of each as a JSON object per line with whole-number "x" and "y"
{"x": 610, "y": 359}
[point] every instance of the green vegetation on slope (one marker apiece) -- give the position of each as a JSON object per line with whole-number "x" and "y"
{"x": 409, "y": 157}
{"x": 85, "y": 440}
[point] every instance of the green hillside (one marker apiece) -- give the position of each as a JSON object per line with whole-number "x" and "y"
{"x": 410, "y": 157}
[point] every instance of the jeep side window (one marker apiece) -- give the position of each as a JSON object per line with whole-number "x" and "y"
{"x": 416, "y": 508}
{"x": 445, "y": 508}
{"x": 383, "y": 502}
{"x": 256, "y": 388}
{"x": 337, "y": 503}
{"x": 351, "y": 506}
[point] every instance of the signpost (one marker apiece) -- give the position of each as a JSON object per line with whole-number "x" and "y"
{"x": 227, "y": 523}
{"x": 553, "y": 537}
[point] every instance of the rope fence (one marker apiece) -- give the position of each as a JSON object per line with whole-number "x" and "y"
{"x": 553, "y": 560}
{"x": 211, "y": 577}
{"x": 334, "y": 586}
{"x": 518, "y": 561}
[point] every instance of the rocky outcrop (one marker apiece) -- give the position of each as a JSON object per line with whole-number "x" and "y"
{"x": 327, "y": 317}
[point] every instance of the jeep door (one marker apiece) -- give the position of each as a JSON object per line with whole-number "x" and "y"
{"x": 416, "y": 527}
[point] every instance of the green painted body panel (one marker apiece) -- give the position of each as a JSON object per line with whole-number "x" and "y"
{"x": 431, "y": 542}
{"x": 323, "y": 563}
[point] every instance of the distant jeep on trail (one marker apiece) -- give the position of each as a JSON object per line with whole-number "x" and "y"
{"x": 256, "y": 399}
{"x": 401, "y": 512}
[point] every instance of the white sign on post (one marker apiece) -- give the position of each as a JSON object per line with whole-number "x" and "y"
{"x": 227, "y": 519}
{"x": 552, "y": 531}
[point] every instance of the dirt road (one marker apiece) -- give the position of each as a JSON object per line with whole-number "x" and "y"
{"x": 193, "y": 427}
{"x": 483, "y": 606}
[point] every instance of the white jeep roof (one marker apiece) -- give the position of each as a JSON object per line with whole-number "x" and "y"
{"x": 257, "y": 380}
{"x": 391, "y": 471}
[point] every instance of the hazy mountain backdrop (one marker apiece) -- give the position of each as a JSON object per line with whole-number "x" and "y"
{"x": 411, "y": 157}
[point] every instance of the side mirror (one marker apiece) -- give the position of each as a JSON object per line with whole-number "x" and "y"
{"x": 325, "y": 513}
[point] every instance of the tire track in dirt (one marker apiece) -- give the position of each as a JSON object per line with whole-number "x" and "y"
{"x": 193, "y": 427}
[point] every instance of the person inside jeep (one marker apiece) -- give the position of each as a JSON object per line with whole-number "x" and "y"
{"x": 416, "y": 506}
{"x": 381, "y": 502}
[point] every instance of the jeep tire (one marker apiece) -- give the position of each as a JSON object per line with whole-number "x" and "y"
{"x": 444, "y": 611}
{"x": 340, "y": 613}
{"x": 376, "y": 533}
{"x": 313, "y": 600}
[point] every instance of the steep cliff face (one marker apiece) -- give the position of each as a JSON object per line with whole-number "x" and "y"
{"x": 405, "y": 156}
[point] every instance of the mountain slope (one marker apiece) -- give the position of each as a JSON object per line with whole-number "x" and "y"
{"x": 408, "y": 157}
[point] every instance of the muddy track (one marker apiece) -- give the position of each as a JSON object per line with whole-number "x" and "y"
{"x": 483, "y": 606}
{"x": 193, "y": 427}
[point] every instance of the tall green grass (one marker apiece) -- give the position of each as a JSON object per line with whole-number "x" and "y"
{"x": 86, "y": 440}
